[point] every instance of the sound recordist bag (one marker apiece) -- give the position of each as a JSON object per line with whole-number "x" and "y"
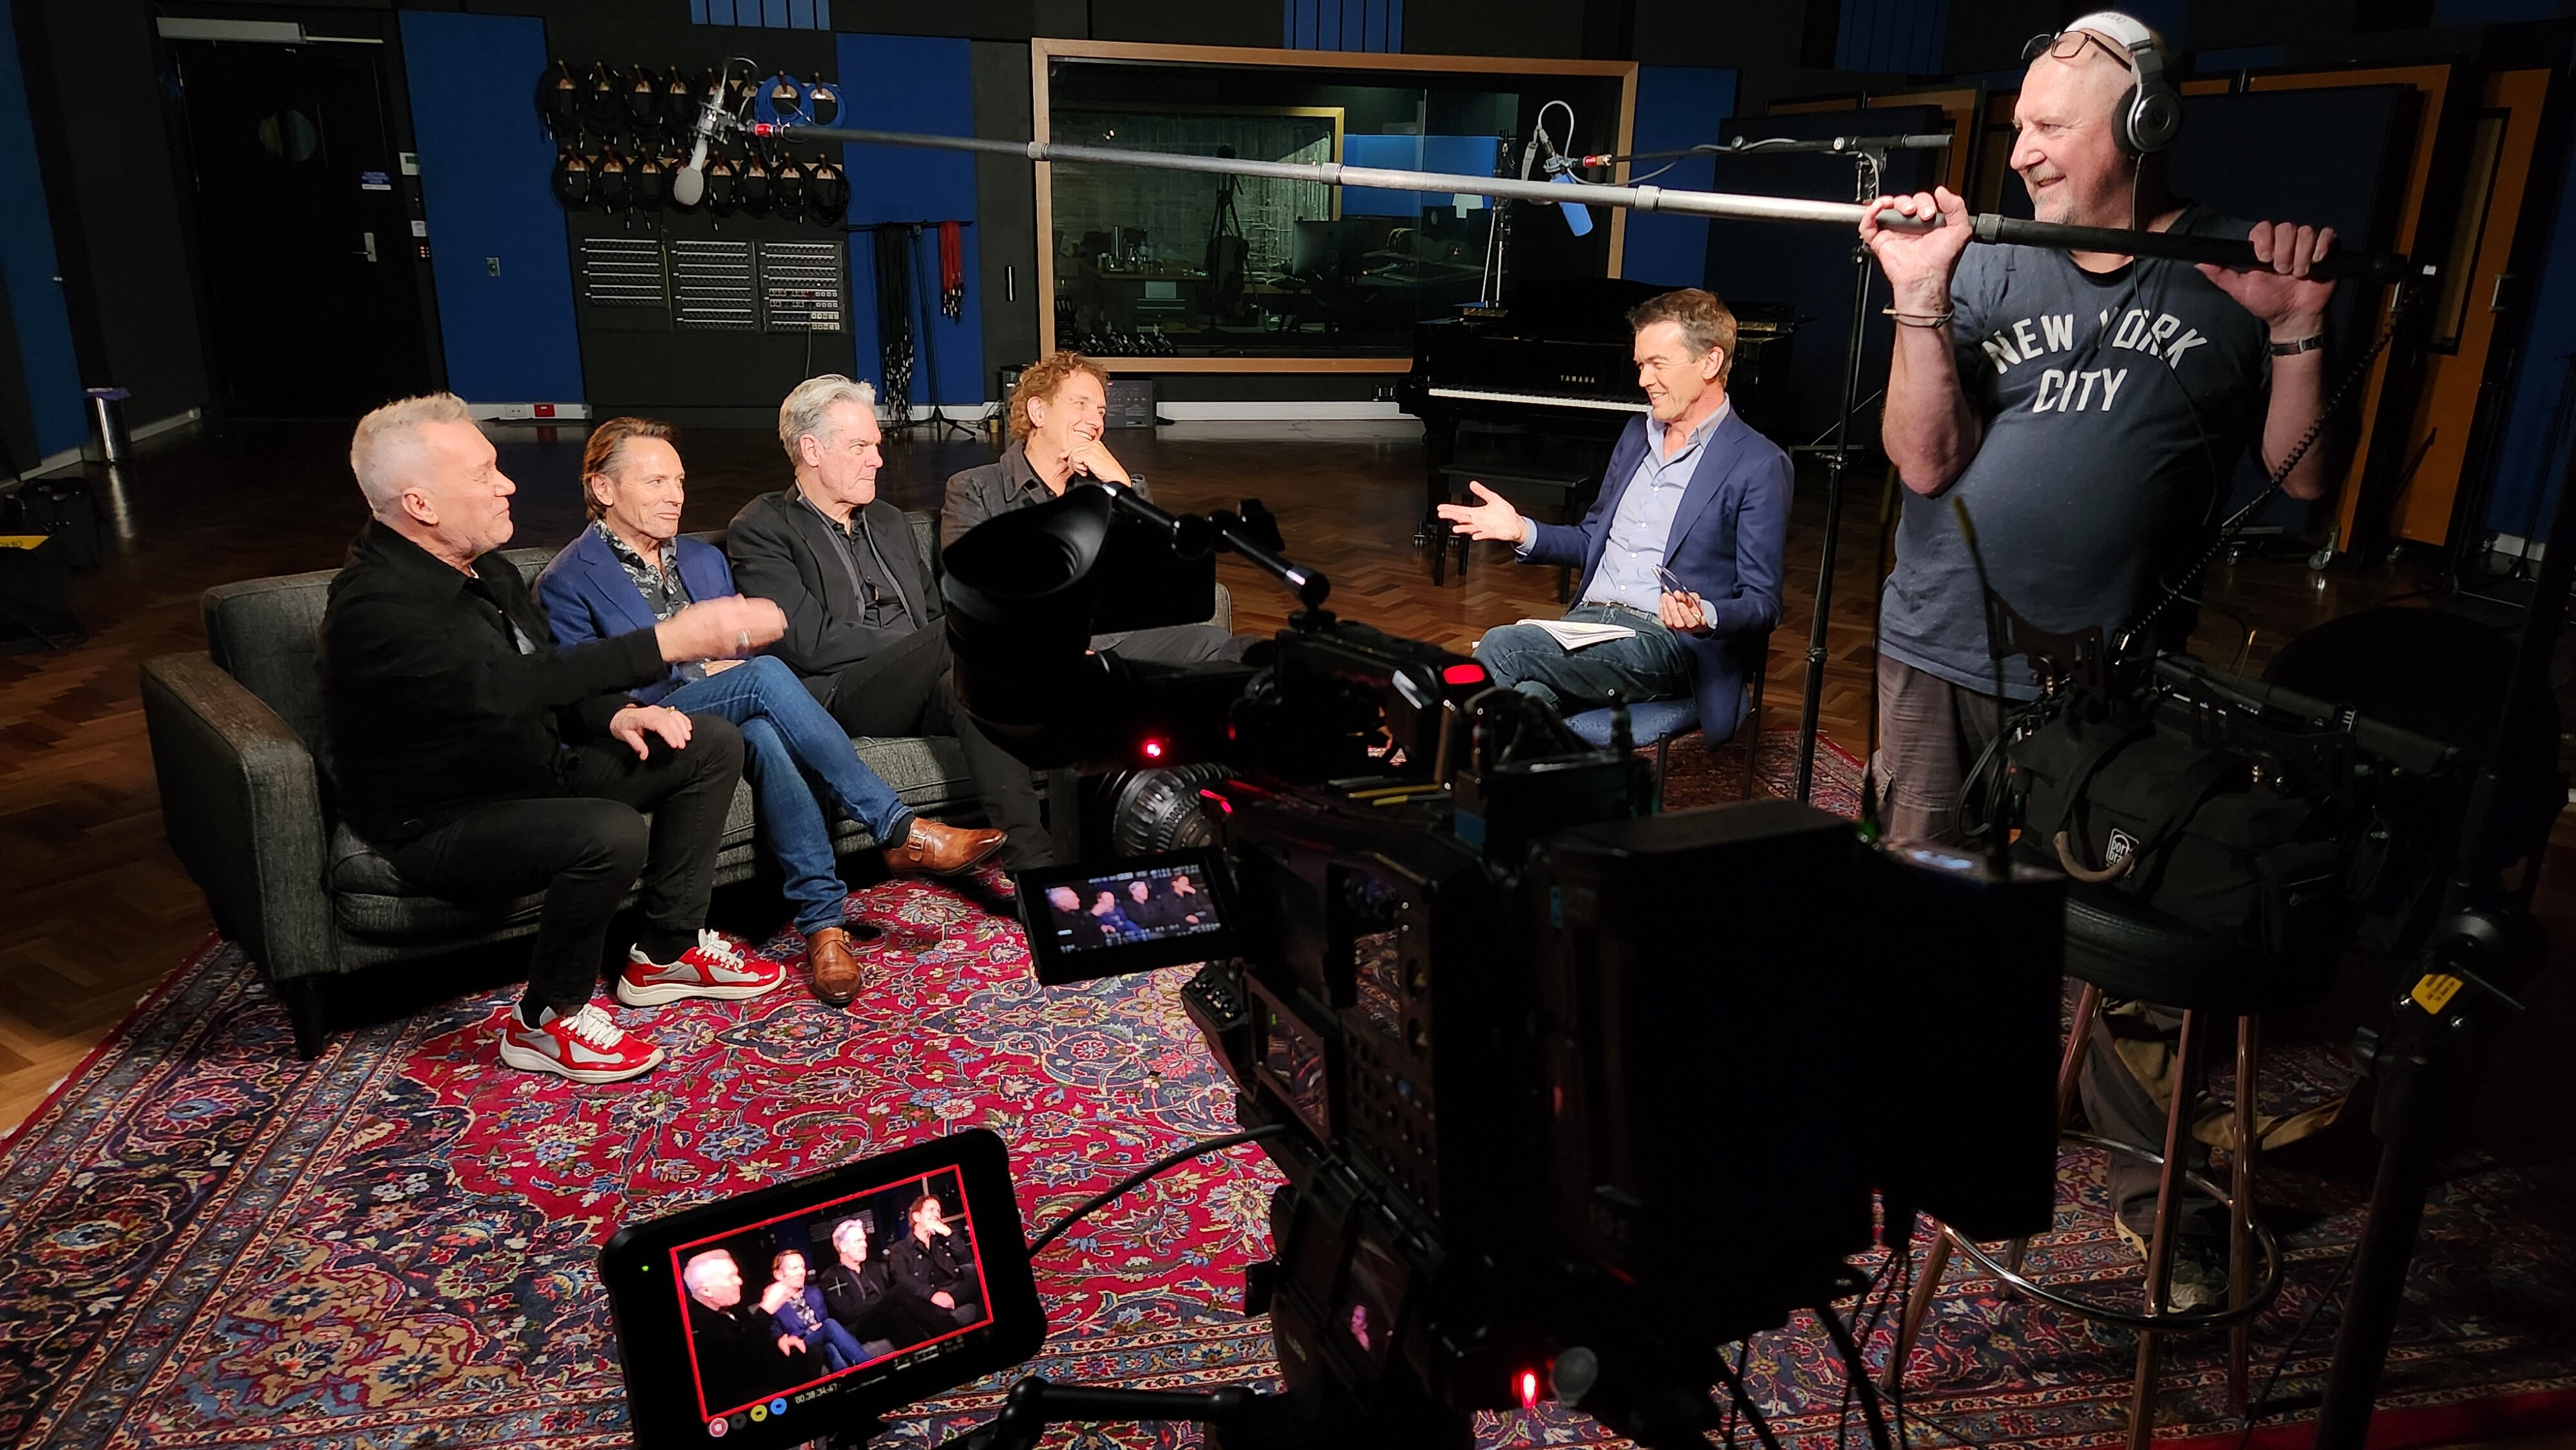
{"x": 2189, "y": 830}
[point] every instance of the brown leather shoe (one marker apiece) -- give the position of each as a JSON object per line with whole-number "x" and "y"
{"x": 836, "y": 968}
{"x": 931, "y": 849}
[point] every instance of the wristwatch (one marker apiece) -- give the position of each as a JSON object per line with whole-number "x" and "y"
{"x": 2293, "y": 349}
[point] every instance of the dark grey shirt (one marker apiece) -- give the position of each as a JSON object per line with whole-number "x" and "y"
{"x": 2116, "y": 406}
{"x": 1006, "y": 483}
{"x": 870, "y": 575}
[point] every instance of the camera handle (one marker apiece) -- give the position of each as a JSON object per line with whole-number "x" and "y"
{"x": 1035, "y": 1404}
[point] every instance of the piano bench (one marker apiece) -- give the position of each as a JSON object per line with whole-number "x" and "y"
{"x": 1557, "y": 497}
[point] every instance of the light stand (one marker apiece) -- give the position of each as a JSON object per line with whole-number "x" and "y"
{"x": 2486, "y": 942}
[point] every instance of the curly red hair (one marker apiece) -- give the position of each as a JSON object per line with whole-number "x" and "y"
{"x": 1040, "y": 379}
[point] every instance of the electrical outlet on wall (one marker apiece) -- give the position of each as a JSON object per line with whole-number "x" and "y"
{"x": 492, "y": 265}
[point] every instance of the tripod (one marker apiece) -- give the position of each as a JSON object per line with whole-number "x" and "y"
{"x": 2485, "y": 943}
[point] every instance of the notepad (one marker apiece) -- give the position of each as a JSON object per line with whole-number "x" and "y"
{"x": 1575, "y": 634}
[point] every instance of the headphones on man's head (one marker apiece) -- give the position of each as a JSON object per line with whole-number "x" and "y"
{"x": 2148, "y": 114}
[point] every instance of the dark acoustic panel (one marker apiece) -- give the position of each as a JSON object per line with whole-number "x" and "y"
{"x": 1809, "y": 268}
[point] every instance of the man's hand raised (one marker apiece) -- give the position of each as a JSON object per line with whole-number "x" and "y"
{"x": 2280, "y": 293}
{"x": 1490, "y": 519}
{"x": 714, "y": 629}
{"x": 1918, "y": 263}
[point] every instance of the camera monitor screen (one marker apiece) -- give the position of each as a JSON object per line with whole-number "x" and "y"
{"x": 1103, "y": 919}
{"x": 781, "y": 1316}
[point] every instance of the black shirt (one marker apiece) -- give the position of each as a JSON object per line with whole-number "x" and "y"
{"x": 865, "y": 1302}
{"x": 444, "y": 692}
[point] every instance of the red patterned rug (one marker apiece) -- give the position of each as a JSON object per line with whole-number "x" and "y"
{"x": 213, "y": 1243}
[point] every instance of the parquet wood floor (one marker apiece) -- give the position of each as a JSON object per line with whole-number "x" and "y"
{"x": 102, "y": 910}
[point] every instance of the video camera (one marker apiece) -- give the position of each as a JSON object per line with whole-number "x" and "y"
{"x": 1568, "y": 1093}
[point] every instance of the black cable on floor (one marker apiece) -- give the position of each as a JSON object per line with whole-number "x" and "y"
{"x": 2281, "y": 1361}
{"x": 1056, "y": 1230}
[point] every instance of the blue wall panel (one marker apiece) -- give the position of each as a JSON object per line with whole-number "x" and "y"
{"x": 1676, "y": 106}
{"x": 2528, "y": 460}
{"x": 1451, "y": 155}
{"x": 484, "y": 167}
{"x": 1367, "y": 25}
{"x": 920, "y": 84}
{"x": 27, "y": 268}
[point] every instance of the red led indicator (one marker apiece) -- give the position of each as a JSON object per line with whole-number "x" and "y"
{"x": 1222, "y": 803}
{"x": 1463, "y": 675}
{"x": 1153, "y": 750}
{"x": 1529, "y": 1389}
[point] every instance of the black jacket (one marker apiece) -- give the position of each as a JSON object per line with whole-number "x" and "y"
{"x": 867, "y": 1304}
{"x": 432, "y": 709}
{"x": 947, "y": 1263}
{"x": 782, "y": 551}
{"x": 738, "y": 1358}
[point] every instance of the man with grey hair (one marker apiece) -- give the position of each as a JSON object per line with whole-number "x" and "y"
{"x": 487, "y": 764}
{"x": 2089, "y": 410}
{"x": 864, "y": 622}
{"x": 742, "y": 1357}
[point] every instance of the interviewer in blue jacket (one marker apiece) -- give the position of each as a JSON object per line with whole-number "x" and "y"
{"x": 629, "y": 569}
{"x": 1691, "y": 489}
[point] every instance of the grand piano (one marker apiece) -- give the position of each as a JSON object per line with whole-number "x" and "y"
{"x": 1529, "y": 397}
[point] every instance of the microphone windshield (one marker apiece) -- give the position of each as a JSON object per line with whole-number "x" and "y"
{"x": 689, "y": 183}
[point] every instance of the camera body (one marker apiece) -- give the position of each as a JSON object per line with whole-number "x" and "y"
{"x": 1560, "y": 1072}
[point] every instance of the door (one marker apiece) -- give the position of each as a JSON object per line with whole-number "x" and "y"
{"x": 304, "y": 240}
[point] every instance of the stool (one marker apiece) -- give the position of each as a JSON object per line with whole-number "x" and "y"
{"x": 1535, "y": 492}
{"x": 2119, "y": 948}
{"x": 1664, "y": 721}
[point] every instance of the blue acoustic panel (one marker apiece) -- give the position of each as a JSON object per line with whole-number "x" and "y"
{"x": 27, "y": 264}
{"x": 2533, "y": 438}
{"x": 1677, "y": 106}
{"x": 920, "y": 84}
{"x": 484, "y": 168}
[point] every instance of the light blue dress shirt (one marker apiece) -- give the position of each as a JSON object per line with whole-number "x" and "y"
{"x": 1643, "y": 524}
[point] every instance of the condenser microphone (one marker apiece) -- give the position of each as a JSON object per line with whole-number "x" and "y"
{"x": 1578, "y": 217}
{"x": 689, "y": 184}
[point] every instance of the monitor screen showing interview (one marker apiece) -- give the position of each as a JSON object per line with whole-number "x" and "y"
{"x": 782, "y": 1306}
{"x": 1160, "y": 903}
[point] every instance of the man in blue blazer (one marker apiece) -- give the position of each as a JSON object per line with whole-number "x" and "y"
{"x": 629, "y": 569}
{"x": 1683, "y": 546}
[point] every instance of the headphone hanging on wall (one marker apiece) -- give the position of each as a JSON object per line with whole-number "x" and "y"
{"x": 2148, "y": 114}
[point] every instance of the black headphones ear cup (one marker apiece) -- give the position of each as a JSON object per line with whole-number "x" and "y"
{"x": 720, "y": 186}
{"x": 572, "y": 180}
{"x": 559, "y": 98}
{"x": 609, "y": 187}
{"x": 787, "y": 190}
{"x": 2150, "y": 118}
{"x": 751, "y": 187}
{"x": 827, "y": 192}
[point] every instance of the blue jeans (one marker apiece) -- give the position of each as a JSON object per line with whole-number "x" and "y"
{"x": 1651, "y": 665}
{"x": 797, "y": 751}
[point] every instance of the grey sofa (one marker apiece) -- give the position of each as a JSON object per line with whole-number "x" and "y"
{"x": 234, "y": 733}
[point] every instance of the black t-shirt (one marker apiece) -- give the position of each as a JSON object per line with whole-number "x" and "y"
{"x": 2116, "y": 406}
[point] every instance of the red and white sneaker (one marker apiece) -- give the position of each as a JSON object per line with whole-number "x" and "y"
{"x": 713, "y": 968}
{"x": 586, "y": 1046}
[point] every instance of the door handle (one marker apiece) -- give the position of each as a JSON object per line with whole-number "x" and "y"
{"x": 369, "y": 252}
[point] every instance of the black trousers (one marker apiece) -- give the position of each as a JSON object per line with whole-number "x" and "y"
{"x": 585, "y": 848}
{"x": 903, "y": 689}
{"x": 1180, "y": 644}
{"x": 2123, "y": 1109}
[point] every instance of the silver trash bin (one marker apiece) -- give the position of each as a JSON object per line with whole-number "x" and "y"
{"x": 107, "y": 424}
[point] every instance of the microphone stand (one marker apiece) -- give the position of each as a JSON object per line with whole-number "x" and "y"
{"x": 1869, "y": 164}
